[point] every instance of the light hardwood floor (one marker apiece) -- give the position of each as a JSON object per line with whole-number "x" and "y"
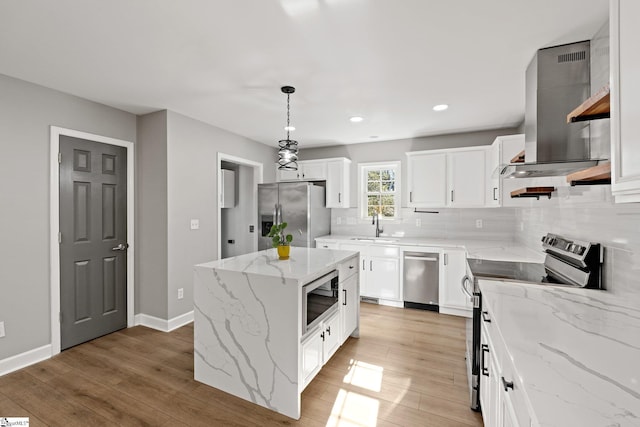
{"x": 407, "y": 369}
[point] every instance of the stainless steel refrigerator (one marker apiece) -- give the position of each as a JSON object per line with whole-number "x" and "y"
{"x": 300, "y": 204}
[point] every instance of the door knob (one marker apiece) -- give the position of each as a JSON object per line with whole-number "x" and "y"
{"x": 121, "y": 247}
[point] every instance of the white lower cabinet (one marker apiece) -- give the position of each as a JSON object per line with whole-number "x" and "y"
{"x": 350, "y": 306}
{"x": 379, "y": 270}
{"x": 501, "y": 397}
{"x": 318, "y": 347}
{"x": 453, "y": 300}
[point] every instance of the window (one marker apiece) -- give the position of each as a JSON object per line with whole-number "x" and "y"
{"x": 379, "y": 185}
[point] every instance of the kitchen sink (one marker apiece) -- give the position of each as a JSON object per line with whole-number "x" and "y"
{"x": 374, "y": 239}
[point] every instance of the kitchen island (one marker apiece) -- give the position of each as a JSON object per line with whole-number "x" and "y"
{"x": 249, "y": 337}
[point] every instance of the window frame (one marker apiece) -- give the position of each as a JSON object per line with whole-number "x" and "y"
{"x": 363, "y": 169}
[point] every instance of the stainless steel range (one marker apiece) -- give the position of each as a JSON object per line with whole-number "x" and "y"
{"x": 567, "y": 262}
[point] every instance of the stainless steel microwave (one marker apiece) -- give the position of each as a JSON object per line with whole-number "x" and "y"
{"x": 319, "y": 300}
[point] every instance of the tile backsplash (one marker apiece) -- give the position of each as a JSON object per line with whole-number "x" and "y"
{"x": 497, "y": 224}
{"x": 584, "y": 213}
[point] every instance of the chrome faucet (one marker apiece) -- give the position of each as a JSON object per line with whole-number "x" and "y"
{"x": 375, "y": 220}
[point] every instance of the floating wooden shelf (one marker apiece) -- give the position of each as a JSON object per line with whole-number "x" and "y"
{"x": 596, "y": 107}
{"x": 533, "y": 192}
{"x": 600, "y": 174}
{"x": 519, "y": 158}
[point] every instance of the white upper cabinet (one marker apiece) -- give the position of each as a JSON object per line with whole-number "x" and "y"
{"x": 427, "y": 179}
{"x": 625, "y": 93}
{"x": 499, "y": 155}
{"x": 466, "y": 177}
{"x": 228, "y": 187}
{"x": 309, "y": 170}
{"x": 447, "y": 178}
{"x": 338, "y": 181}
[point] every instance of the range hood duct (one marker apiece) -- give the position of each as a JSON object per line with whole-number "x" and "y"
{"x": 557, "y": 80}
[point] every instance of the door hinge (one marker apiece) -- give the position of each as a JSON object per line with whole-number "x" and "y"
{"x": 59, "y": 238}
{"x": 59, "y": 157}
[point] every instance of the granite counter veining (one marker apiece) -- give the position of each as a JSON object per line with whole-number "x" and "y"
{"x": 478, "y": 249}
{"x": 576, "y": 352}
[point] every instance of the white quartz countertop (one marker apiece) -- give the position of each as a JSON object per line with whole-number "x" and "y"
{"x": 576, "y": 351}
{"x": 304, "y": 264}
{"x": 494, "y": 250}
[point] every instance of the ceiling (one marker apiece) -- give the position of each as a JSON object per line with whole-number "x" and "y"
{"x": 223, "y": 61}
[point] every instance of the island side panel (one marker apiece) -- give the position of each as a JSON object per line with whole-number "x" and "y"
{"x": 246, "y": 337}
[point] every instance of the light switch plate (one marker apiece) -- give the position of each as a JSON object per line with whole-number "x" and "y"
{"x": 338, "y": 220}
{"x": 180, "y": 293}
{"x": 195, "y": 224}
{"x": 1, "y": 329}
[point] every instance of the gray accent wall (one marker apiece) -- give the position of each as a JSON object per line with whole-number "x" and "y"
{"x": 189, "y": 191}
{"x": 26, "y": 112}
{"x": 151, "y": 215}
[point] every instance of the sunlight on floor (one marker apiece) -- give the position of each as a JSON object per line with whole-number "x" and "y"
{"x": 365, "y": 375}
{"x": 353, "y": 409}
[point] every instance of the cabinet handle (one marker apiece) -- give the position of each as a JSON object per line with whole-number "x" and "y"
{"x": 370, "y": 265}
{"x": 329, "y": 330}
{"x": 351, "y": 267}
{"x": 411, "y": 196}
{"x": 494, "y": 193}
{"x": 322, "y": 335}
{"x": 485, "y": 350}
{"x": 507, "y": 384}
{"x": 344, "y": 300}
{"x": 339, "y": 197}
{"x": 363, "y": 265}
{"x": 446, "y": 259}
{"x": 485, "y": 316}
{"x": 452, "y": 195}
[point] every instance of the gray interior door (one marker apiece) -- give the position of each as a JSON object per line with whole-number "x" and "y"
{"x": 93, "y": 226}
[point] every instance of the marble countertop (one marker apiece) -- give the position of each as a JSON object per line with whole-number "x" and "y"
{"x": 304, "y": 264}
{"x": 494, "y": 250}
{"x": 576, "y": 351}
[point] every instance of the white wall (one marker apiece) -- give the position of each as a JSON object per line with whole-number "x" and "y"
{"x": 26, "y": 112}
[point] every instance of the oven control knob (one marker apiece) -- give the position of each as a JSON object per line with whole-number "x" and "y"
{"x": 570, "y": 247}
{"x": 581, "y": 250}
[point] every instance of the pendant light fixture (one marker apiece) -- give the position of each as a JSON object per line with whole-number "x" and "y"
{"x": 288, "y": 149}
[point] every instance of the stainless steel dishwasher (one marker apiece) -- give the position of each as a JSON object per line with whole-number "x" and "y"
{"x": 421, "y": 278}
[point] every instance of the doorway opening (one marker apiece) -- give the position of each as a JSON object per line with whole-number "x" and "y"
{"x": 238, "y": 181}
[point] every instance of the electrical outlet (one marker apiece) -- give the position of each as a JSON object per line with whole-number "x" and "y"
{"x": 338, "y": 220}
{"x": 418, "y": 222}
{"x": 1, "y": 329}
{"x": 195, "y": 224}
{"x": 478, "y": 223}
{"x": 180, "y": 293}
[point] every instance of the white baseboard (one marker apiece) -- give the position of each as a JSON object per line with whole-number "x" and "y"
{"x": 25, "y": 359}
{"x": 463, "y": 312}
{"x": 162, "y": 324}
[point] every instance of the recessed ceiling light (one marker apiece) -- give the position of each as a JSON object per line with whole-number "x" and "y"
{"x": 440, "y": 107}
{"x": 290, "y": 128}
{"x": 356, "y": 119}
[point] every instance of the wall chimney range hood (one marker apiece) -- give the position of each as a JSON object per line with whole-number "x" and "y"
{"x": 557, "y": 80}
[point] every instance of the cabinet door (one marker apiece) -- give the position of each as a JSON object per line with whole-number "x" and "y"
{"x": 493, "y": 174}
{"x": 338, "y": 184}
{"x": 487, "y": 390}
{"x": 287, "y": 175}
{"x": 455, "y": 267}
{"x": 625, "y": 109}
{"x": 314, "y": 171}
{"x": 362, "y": 266}
{"x": 383, "y": 278}
{"x": 350, "y": 306}
{"x": 332, "y": 336}
{"x": 466, "y": 178}
{"x": 426, "y": 176}
{"x": 312, "y": 355}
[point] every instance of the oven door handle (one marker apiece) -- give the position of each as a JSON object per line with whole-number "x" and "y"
{"x": 466, "y": 279}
